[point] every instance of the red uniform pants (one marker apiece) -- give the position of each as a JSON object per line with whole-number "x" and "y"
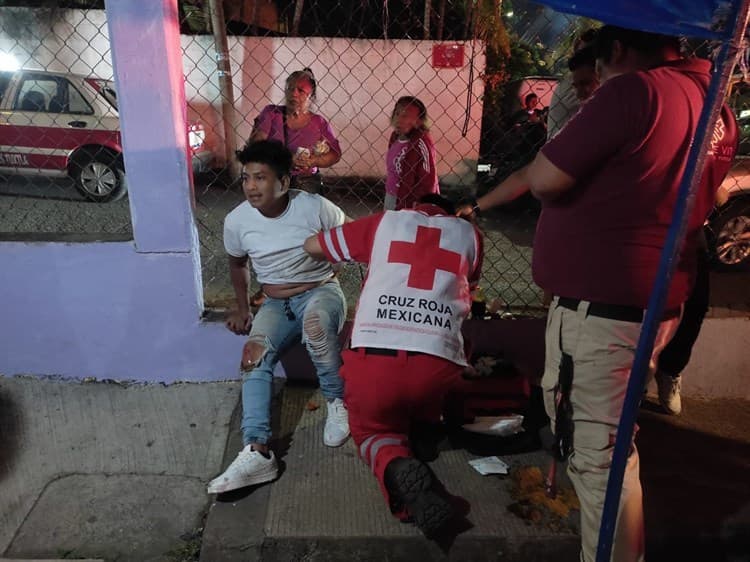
{"x": 384, "y": 394}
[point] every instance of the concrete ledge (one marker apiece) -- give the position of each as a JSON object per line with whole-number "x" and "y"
{"x": 719, "y": 366}
{"x": 84, "y": 464}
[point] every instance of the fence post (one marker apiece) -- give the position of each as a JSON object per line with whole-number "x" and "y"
{"x": 426, "y": 22}
{"x": 226, "y": 90}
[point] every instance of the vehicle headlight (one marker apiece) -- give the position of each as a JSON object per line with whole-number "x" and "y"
{"x": 8, "y": 62}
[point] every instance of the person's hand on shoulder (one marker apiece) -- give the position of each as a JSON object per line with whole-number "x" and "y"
{"x": 468, "y": 209}
{"x": 464, "y": 211}
{"x": 239, "y": 322}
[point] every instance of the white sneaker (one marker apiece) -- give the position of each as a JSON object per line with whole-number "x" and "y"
{"x": 336, "y": 431}
{"x": 250, "y": 467}
{"x": 669, "y": 393}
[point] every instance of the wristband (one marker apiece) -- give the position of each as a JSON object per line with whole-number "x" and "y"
{"x": 475, "y": 209}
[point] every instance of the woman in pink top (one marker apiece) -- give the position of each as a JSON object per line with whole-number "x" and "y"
{"x": 410, "y": 161}
{"x": 307, "y": 135}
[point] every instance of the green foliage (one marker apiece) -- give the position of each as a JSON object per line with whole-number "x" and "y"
{"x": 193, "y": 17}
{"x": 490, "y": 28}
{"x": 526, "y": 60}
{"x": 523, "y": 59}
{"x": 557, "y": 56}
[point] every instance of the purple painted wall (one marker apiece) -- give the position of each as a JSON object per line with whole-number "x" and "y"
{"x": 125, "y": 310}
{"x": 105, "y": 311}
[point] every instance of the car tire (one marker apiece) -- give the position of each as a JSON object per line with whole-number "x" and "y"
{"x": 98, "y": 175}
{"x": 729, "y": 236}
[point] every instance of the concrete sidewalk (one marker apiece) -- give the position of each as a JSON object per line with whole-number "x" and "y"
{"x": 101, "y": 470}
{"x": 104, "y": 471}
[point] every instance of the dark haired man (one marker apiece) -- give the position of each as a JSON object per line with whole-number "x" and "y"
{"x": 303, "y": 298}
{"x": 585, "y": 80}
{"x": 565, "y": 99}
{"x": 407, "y": 351}
{"x": 529, "y": 114}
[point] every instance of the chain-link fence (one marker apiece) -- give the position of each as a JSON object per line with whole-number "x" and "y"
{"x": 60, "y": 149}
{"x": 494, "y": 77}
{"x": 470, "y": 64}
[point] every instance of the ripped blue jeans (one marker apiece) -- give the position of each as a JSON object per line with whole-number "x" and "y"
{"x": 317, "y": 316}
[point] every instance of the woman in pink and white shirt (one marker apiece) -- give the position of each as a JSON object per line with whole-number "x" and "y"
{"x": 410, "y": 161}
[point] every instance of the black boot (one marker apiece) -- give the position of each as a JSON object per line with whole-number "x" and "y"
{"x": 425, "y": 438}
{"x": 411, "y": 484}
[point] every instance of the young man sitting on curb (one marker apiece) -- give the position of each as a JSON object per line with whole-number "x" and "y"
{"x": 303, "y": 298}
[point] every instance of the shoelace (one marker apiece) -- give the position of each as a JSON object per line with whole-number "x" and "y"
{"x": 337, "y": 411}
{"x": 245, "y": 457}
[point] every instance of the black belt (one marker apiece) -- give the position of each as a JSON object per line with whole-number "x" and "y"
{"x": 383, "y": 351}
{"x": 620, "y": 312}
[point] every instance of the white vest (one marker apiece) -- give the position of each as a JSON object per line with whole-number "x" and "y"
{"x": 417, "y": 294}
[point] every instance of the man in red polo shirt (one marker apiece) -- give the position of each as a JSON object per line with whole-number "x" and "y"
{"x": 407, "y": 351}
{"x": 608, "y": 183}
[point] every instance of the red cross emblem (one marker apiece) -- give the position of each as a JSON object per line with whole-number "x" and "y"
{"x": 425, "y": 256}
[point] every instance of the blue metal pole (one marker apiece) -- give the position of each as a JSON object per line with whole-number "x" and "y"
{"x": 685, "y": 199}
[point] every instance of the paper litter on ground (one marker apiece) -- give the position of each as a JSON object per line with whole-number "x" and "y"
{"x": 489, "y": 465}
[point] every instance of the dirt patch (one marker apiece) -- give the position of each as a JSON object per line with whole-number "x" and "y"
{"x": 533, "y": 505}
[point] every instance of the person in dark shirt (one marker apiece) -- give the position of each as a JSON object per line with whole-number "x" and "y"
{"x": 566, "y": 99}
{"x": 585, "y": 78}
{"x": 529, "y": 113}
{"x": 608, "y": 183}
{"x": 529, "y": 123}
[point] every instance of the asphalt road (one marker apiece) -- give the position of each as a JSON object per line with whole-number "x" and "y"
{"x": 30, "y": 207}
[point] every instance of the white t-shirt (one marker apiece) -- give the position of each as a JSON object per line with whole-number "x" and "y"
{"x": 274, "y": 245}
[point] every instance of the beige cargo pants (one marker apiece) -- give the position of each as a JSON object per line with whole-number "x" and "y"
{"x": 602, "y": 351}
